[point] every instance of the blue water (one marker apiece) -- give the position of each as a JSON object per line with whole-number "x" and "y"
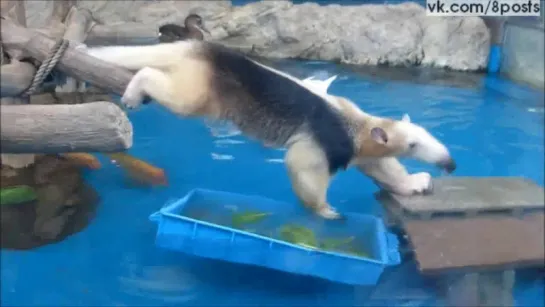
{"x": 493, "y": 129}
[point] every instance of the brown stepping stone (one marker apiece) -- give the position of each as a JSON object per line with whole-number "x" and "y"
{"x": 486, "y": 242}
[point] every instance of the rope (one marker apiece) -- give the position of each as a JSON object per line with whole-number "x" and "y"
{"x": 47, "y": 66}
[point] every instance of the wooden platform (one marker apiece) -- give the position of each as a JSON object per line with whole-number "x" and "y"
{"x": 487, "y": 223}
{"x": 478, "y": 243}
{"x": 469, "y": 195}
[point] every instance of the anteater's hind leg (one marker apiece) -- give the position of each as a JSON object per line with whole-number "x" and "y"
{"x": 151, "y": 82}
{"x": 309, "y": 173}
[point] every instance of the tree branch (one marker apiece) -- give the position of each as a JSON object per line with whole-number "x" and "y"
{"x": 90, "y": 127}
{"x": 60, "y": 11}
{"x": 111, "y": 78}
{"x": 14, "y": 10}
{"x": 128, "y": 33}
{"x": 78, "y": 22}
{"x": 16, "y": 78}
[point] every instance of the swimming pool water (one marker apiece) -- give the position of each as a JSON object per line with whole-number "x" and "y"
{"x": 494, "y": 128}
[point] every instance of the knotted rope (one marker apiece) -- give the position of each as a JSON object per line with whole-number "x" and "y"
{"x": 47, "y": 66}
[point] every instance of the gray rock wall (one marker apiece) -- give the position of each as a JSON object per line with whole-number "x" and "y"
{"x": 398, "y": 34}
{"x": 522, "y": 57}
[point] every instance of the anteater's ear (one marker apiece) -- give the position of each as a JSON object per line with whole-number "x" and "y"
{"x": 379, "y": 135}
{"x": 406, "y": 118}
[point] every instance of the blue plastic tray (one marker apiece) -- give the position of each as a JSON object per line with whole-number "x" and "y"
{"x": 201, "y": 224}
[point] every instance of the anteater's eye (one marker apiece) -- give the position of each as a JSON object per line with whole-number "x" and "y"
{"x": 412, "y": 145}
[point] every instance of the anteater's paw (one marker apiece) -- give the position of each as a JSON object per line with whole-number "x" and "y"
{"x": 421, "y": 183}
{"x": 131, "y": 101}
{"x": 328, "y": 212}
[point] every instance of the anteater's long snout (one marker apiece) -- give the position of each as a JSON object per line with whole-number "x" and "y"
{"x": 449, "y": 165}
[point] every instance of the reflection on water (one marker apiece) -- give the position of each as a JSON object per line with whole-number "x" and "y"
{"x": 275, "y": 160}
{"x": 168, "y": 283}
{"x": 227, "y": 142}
{"x": 221, "y": 129}
{"x": 536, "y": 110}
{"x": 217, "y": 156}
{"x": 492, "y": 128}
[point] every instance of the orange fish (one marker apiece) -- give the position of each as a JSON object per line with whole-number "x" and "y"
{"x": 82, "y": 159}
{"x": 139, "y": 170}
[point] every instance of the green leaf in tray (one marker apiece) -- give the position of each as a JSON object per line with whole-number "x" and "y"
{"x": 334, "y": 243}
{"x": 298, "y": 235}
{"x": 17, "y": 195}
{"x": 344, "y": 246}
{"x": 358, "y": 253}
{"x": 248, "y": 217}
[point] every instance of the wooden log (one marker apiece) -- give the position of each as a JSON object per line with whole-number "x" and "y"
{"x": 107, "y": 76}
{"x": 60, "y": 11}
{"x": 90, "y": 127}
{"x": 15, "y": 11}
{"x": 128, "y": 33}
{"x": 53, "y": 32}
{"x": 83, "y": 67}
{"x": 78, "y": 22}
{"x": 15, "y": 161}
{"x": 16, "y": 78}
{"x": 69, "y": 98}
{"x": 13, "y": 35}
{"x": 55, "y": 25}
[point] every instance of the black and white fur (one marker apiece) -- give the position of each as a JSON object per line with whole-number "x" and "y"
{"x": 322, "y": 133}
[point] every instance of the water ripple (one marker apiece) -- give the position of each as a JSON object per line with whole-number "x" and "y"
{"x": 227, "y": 142}
{"x": 166, "y": 283}
{"x": 274, "y": 160}
{"x": 216, "y": 156}
{"x": 488, "y": 133}
{"x": 221, "y": 129}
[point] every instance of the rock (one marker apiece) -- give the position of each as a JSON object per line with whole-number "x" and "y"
{"x": 17, "y": 223}
{"x": 52, "y": 227}
{"x": 15, "y": 176}
{"x": 399, "y": 34}
{"x": 44, "y": 167}
{"x": 51, "y": 169}
{"x": 49, "y": 217}
{"x": 65, "y": 205}
{"x": 17, "y": 160}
